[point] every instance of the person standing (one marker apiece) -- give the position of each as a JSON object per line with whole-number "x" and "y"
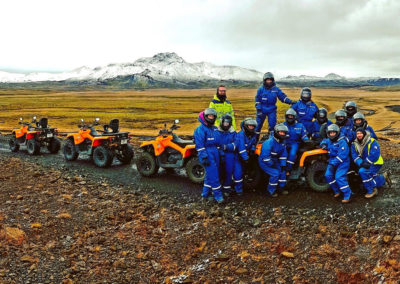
{"x": 306, "y": 110}
{"x": 222, "y": 106}
{"x": 266, "y": 99}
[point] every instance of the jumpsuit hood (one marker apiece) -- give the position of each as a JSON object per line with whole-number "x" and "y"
{"x": 202, "y": 119}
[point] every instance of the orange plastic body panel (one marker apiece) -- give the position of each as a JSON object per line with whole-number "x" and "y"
{"x": 21, "y": 132}
{"x": 85, "y": 134}
{"x": 164, "y": 141}
{"x": 311, "y": 153}
{"x": 258, "y": 149}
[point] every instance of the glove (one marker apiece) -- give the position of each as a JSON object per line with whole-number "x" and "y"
{"x": 292, "y": 103}
{"x": 365, "y": 165}
{"x": 206, "y": 162}
{"x": 324, "y": 147}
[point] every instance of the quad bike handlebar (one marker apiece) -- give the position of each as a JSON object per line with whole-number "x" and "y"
{"x": 173, "y": 127}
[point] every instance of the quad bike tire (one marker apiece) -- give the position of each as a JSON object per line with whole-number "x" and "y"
{"x": 13, "y": 143}
{"x": 146, "y": 164}
{"x": 70, "y": 153}
{"x": 33, "y": 147}
{"x": 54, "y": 145}
{"x": 102, "y": 157}
{"x": 315, "y": 176}
{"x": 195, "y": 170}
{"x": 126, "y": 155}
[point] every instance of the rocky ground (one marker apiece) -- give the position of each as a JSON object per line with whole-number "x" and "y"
{"x": 71, "y": 223}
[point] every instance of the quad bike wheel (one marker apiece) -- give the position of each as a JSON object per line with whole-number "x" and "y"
{"x": 315, "y": 176}
{"x": 70, "y": 153}
{"x": 146, "y": 164}
{"x": 54, "y": 145}
{"x": 102, "y": 157}
{"x": 125, "y": 155}
{"x": 14, "y": 146}
{"x": 33, "y": 147}
{"x": 195, "y": 170}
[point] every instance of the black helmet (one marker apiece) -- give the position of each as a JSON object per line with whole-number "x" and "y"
{"x": 278, "y": 128}
{"x": 226, "y": 122}
{"x": 266, "y": 76}
{"x": 341, "y": 117}
{"x": 290, "y": 116}
{"x": 322, "y": 115}
{"x": 360, "y": 116}
{"x": 305, "y": 94}
{"x": 207, "y": 112}
{"x": 249, "y": 122}
{"x": 333, "y": 128}
{"x": 350, "y": 108}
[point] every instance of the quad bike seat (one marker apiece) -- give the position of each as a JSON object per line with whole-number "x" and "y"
{"x": 182, "y": 143}
{"x": 43, "y": 122}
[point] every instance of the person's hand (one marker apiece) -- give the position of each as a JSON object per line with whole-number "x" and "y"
{"x": 206, "y": 162}
{"x": 292, "y": 103}
{"x": 365, "y": 165}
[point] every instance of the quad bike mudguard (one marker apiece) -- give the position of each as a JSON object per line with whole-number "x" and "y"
{"x": 311, "y": 154}
{"x": 21, "y": 132}
{"x": 164, "y": 141}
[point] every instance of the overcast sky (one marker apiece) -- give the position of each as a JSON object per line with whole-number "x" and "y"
{"x": 313, "y": 37}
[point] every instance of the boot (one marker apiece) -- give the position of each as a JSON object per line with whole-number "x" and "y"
{"x": 372, "y": 194}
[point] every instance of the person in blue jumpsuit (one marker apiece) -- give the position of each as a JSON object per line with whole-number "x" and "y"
{"x": 351, "y": 109}
{"x": 206, "y": 140}
{"x": 345, "y": 125}
{"x": 306, "y": 110}
{"x": 360, "y": 122}
{"x": 321, "y": 121}
{"x": 339, "y": 162}
{"x": 366, "y": 154}
{"x": 228, "y": 153}
{"x": 272, "y": 159}
{"x": 266, "y": 99}
{"x": 246, "y": 142}
{"x": 297, "y": 133}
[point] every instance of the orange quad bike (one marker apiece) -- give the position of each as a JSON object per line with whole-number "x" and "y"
{"x": 169, "y": 152}
{"x": 34, "y": 135}
{"x": 310, "y": 165}
{"x": 101, "y": 145}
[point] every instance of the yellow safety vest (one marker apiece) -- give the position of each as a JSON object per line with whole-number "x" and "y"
{"x": 380, "y": 159}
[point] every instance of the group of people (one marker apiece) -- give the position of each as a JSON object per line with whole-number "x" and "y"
{"x": 224, "y": 153}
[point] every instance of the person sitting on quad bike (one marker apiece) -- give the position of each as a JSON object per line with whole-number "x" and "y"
{"x": 351, "y": 109}
{"x": 339, "y": 162}
{"x": 297, "y": 133}
{"x": 272, "y": 159}
{"x": 228, "y": 155}
{"x": 366, "y": 154}
{"x": 222, "y": 106}
{"x": 360, "y": 122}
{"x": 246, "y": 142}
{"x": 320, "y": 123}
{"x": 265, "y": 99}
{"x": 206, "y": 140}
{"x": 306, "y": 110}
{"x": 344, "y": 124}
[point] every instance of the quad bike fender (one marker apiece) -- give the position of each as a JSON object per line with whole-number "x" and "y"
{"x": 99, "y": 141}
{"x": 189, "y": 151}
{"x": 20, "y": 132}
{"x": 311, "y": 153}
{"x": 152, "y": 145}
{"x": 31, "y": 134}
{"x": 258, "y": 149}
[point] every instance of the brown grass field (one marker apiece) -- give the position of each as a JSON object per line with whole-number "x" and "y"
{"x": 144, "y": 112}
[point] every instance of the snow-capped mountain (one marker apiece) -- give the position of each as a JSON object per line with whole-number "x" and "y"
{"x": 165, "y": 67}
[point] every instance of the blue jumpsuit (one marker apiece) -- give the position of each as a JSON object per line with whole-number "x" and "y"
{"x": 297, "y": 133}
{"x": 316, "y": 127}
{"x": 272, "y": 161}
{"x": 371, "y": 154}
{"x": 305, "y": 113}
{"x": 347, "y": 130}
{"x": 232, "y": 160}
{"x": 245, "y": 145}
{"x": 368, "y": 128}
{"x": 339, "y": 164}
{"x": 206, "y": 140}
{"x": 266, "y": 105}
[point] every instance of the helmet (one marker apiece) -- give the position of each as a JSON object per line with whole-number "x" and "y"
{"x": 305, "y": 94}
{"x": 290, "y": 116}
{"x": 341, "y": 117}
{"x": 350, "y": 108}
{"x": 322, "y": 115}
{"x": 360, "y": 116}
{"x": 226, "y": 122}
{"x": 280, "y": 128}
{"x": 333, "y": 128}
{"x": 266, "y": 76}
{"x": 247, "y": 124}
{"x": 207, "y": 112}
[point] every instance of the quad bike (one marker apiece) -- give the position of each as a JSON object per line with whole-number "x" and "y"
{"x": 170, "y": 152}
{"x": 34, "y": 135}
{"x": 100, "y": 145}
{"x": 311, "y": 164}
